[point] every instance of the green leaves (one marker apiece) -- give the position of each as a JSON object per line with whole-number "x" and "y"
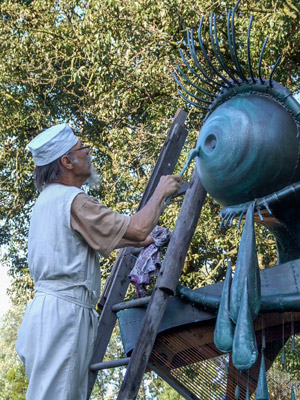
{"x": 106, "y": 68}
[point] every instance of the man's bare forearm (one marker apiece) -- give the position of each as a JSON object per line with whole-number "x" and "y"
{"x": 126, "y": 243}
{"x": 144, "y": 221}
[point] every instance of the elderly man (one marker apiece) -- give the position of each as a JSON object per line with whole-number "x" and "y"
{"x": 67, "y": 231}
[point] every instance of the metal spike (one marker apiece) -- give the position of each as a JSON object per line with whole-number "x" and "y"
{"x": 188, "y": 92}
{"x": 209, "y": 81}
{"x": 227, "y": 219}
{"x": 219, "y": 55}
{"x": 227, "y": 367}
{"x": 293, "y": 394}
{"x": 248, "y": 49}
{"x": 191, "y": 102}
{"x": 221, "y": 224}
{"x": 267, "y": 207}
{"x": 263, "y": 341}
{"x": 273, "y": 71}
{"x": 237, "y": 64}
{"x": 195, "y": 73}
{"x": 293, "y": 332}
{"x": 259, "y": 213}
{"x": 282, "y": 358}
{"x": 205, "y": 53}
{"x": 240, "y": 219}
{"x": 229, "y": 38}
{"x": 247, "y": 393}
{"x": 237, "y": 392}
{"x": 260, "y": 60}
{"x": 282, "y": 354}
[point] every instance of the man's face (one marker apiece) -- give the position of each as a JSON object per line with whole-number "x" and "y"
{"x": 81, "y": 160}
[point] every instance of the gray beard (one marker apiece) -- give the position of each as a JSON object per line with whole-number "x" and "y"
{"x": 94, "y": 180}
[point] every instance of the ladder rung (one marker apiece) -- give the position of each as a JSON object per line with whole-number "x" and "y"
{"x": 110, "y": 364}
{"x": 131, "y": 304}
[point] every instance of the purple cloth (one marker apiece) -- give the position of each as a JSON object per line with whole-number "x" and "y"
{"x": 149, "y": 261}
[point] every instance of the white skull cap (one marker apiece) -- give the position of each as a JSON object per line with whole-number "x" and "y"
{"x": 52, "y": 144}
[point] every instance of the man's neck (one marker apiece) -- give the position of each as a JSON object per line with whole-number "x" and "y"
{"x": 71, "y": 180}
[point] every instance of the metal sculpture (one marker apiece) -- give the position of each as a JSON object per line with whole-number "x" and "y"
{"x": 247, "y": 157}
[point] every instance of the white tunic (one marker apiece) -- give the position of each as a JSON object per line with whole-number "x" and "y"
{"x": 56, "y": 338}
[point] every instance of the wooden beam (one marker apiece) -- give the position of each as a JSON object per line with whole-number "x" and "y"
{"x": 110, "y": 364}
{"x": 131, "y": 304}
{"x": 167, "y": 281}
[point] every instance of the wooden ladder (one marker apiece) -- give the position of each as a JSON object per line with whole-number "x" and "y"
{"x": 118, "y": 281}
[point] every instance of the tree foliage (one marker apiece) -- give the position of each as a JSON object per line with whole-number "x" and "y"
{"x": 106, "y": 68}
{"x": 13, "y": 382}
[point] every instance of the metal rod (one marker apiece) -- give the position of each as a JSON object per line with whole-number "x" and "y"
{"x": 221, "y": 59}
{"x": 197, "y": 75}
{"x": 131, "y": 304}
{"x": 260, "y": 59}
{"x": 248, "y": 50}
{"x": 215, "y": 46}
{"x": 193, "y": 53}
{"x": 206, "y": 56}
{"x": 192, "y": 102}
{"x": 187, "y": 91}
{"x": 273, "y": 70}
{"x": 110, "y": 364}
{"x": 229, "y": 39}
{"x": 238, "y": 66}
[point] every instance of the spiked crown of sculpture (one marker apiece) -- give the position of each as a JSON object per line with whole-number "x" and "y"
{"x": 245, "y": 117}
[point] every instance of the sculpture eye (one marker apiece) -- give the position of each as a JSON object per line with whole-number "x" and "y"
{"x": 248, "y": 148}
{"x": 210, "y": 143}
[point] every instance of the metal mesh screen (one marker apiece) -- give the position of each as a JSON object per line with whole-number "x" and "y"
{"x": 188, "y": 357}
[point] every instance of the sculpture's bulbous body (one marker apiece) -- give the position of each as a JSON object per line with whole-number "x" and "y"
{"x": 248, "y": 148}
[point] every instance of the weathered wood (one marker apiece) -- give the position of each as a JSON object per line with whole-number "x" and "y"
{"x": 118, "y": 281}
{"x": 131, "y": 304}
{"x": 110, "y": 364}
{"x": 170, "y": 272}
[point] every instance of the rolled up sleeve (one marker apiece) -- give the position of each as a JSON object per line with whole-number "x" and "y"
{"x": 99, "y": 226}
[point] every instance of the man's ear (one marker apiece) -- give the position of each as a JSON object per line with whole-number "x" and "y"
{"x": 66, "y": 162}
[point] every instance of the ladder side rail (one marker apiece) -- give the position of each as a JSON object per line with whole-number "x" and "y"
{"x": 119, "y": 281}
{"x": 165, "y": 165}
{"x": 166, "y": 285}
{"x": 168, "y": 156}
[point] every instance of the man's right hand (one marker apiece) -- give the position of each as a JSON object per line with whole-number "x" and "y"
{"x": 168, "y": 185}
